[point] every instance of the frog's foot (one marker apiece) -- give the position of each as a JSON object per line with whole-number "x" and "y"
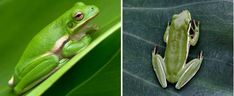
{"x": 159, "y": 67}
{"x": 194, "y": 25}
{"x": 188, "y": 71}
{"x": 94, "y": 27}
{"x": 89, "y": 28}
{"x": 62, "y": 62}
{"x": 200, "y": 56}
{"x": 11, "y": 82}
{"x": 194, "y": 32}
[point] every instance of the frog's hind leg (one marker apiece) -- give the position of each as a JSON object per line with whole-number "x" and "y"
{"x": 189, "y": 70}
{"x": 38, "y": 70}
{"x": 194, "y": 32}
{"x": 166, "y": 34}
{"x": 159, "y": 68}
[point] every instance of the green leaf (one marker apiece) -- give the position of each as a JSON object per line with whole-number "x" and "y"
{"x": 48, "y": 82}
{"x": 21, "y": 20}
{"x": 215, "y": 77}
{"x": 93, "y": 75}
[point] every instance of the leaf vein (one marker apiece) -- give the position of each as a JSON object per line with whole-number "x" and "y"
{"x": 142, "y": 39}
{"x": 173, "y": 7}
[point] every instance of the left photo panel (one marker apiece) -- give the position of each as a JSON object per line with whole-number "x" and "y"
{"x": 60, "y": 48}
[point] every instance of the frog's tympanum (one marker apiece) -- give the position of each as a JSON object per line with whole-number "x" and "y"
{"x": 179, "y": 35}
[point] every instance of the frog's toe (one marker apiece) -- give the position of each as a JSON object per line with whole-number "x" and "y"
{"x": 11, "y": 82}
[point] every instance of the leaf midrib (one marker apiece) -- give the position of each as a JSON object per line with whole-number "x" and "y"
{"x": 175, "y": 7}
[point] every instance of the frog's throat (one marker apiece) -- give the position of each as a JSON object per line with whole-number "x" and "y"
{"x": 81, "y": 24}
{"x": 59, "y": 43}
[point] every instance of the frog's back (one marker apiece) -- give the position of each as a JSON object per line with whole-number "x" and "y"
{"x": 42, "y": 43}
{"x": 176, "y": 50}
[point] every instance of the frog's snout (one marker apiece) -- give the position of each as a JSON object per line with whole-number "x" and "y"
{"x": 94, "y": 9}
{"x": 187, "y": 12}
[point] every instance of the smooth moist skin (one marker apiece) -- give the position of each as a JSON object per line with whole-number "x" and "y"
{"x": 179, "y": 35}
{"x": 53, "y": 46}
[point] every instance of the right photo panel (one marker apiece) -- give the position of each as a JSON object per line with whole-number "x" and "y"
{"x": 177, "y": 48}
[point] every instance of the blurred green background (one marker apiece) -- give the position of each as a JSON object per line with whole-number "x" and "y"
{"x": 99, "y": 71}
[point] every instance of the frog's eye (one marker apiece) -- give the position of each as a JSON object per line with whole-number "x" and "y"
{"x": 79, "y": 16}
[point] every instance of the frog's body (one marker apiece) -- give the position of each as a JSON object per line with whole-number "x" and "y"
{"x": 41, "y": 44}
{"x": 178, "y": 37}
{"x": 177, "y": 43}
{"x": 54, "y": 46}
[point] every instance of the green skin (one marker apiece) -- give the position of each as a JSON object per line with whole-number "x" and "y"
{"x": 179, "y": 35}
{"x": 53, "y": 46}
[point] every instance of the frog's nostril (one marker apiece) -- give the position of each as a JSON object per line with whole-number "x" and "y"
{"x": 92, "y": 8}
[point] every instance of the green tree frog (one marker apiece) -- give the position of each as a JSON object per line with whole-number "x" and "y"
{"x": 179, "y": 35}
{"x": 53, "y": 46}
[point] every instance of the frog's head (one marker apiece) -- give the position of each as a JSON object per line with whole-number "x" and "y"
{"x": 181, "y": 19}
{"x": 79, "y": 15}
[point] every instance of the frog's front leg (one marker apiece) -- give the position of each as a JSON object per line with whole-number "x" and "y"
{"x": 73, "y": 47}
{"x": 78, "y": 41}
{"x": 165, "y": 37}
{"x": 194, "y": 32}
{"x": 159, "y": 68}
{"x": 188, "y": 71}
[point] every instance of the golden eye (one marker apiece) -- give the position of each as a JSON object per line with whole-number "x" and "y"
{"x": 79, "y": 16}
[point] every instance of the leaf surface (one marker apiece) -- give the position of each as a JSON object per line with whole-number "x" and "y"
{"x": 144, "y": 25}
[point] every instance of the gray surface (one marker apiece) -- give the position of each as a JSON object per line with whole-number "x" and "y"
{"x": 144, "y": 22}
